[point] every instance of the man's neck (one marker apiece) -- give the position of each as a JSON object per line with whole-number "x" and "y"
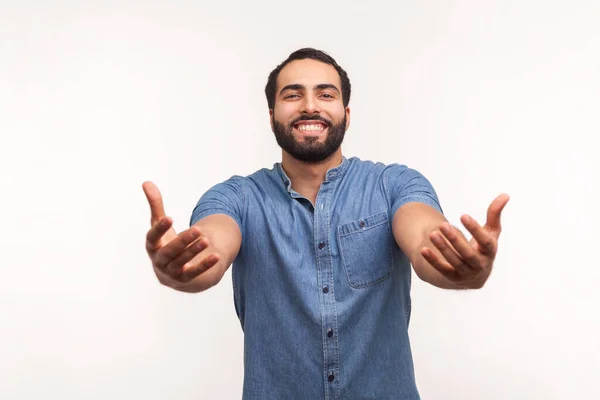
{"x": 307, "y": 177}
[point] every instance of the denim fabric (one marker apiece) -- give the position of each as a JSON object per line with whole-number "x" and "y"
{"x": 323, "y": 292}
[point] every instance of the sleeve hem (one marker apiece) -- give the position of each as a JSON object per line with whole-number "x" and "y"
{"x": 420, "y": 199}
{"x": 212, "y": 211}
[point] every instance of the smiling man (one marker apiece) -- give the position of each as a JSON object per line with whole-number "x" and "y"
{"x": 322, "y": 247}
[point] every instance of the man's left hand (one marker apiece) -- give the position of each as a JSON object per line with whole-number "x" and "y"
{"x": 467, "y": 264}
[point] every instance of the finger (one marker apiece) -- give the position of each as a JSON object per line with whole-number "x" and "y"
{"x": 187, "y": 255}
{"x": 493, "y": 213}
{"x": 441, "y": 265}
{"x": 156, "y": 233}
{"x": 188, "y": 272}
{"x": 176, "y": 246}
{"x": 449, "y": 253}
{"x": 154, "y": 197}
{"x": 486, "y": 240}
{"x": 466, "y": 252}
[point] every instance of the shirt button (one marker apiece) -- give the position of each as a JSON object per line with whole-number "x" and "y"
{"x": 325, "y": 289}
{"x": 331, "y": 377}
{"x": 362, "y": 224}
{"x": 321, "y": 245}
{"x": 329, "y": 332}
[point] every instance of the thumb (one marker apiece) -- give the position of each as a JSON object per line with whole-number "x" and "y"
{"x": 494, "y": 211}
{"x": 154, "y": 197}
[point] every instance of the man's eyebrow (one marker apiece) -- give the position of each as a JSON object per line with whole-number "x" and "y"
{"x": 293, "y": 86}
{"x": 297, "y": 86}
{"x": 327, "y": 86}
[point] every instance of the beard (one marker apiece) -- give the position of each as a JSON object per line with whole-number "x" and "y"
{"x": 310, "y": 149}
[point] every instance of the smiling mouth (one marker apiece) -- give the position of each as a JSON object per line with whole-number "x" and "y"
{"x": 311, "y": 127}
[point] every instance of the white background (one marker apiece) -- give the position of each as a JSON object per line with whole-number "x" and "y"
{"x": 482, "y": 97}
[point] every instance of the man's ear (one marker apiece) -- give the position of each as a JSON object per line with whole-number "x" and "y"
{"x": 271, "y": 120}
{"x": 347, "y": 117}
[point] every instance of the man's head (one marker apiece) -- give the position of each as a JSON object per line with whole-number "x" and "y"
{"x": 308, "y": 96}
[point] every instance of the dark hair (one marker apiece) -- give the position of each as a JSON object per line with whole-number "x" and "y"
{"x": 303, "y": 54}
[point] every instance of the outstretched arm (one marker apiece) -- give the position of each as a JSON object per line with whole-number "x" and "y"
{"x": 439, "y": 252}
{"x": 195, "y": 259}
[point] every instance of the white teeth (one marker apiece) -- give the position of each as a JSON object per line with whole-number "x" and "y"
{"x": 311, "y": 127}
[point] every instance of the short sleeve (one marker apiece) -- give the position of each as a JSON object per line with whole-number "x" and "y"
{"x": 404, "y": 185}
{"x": 224, "y": 198}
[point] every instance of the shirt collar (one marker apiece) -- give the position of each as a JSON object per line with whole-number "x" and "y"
{"x": 331, "y": 175}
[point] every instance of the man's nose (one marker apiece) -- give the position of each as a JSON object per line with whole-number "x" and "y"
{"x": 310, "y": 105}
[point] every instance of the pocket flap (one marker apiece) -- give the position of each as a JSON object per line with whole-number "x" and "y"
{"x": 363, "y": 224}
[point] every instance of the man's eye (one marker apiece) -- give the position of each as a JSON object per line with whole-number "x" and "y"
{"x": 289, "y": 96}
{"x": 327, "y": 95}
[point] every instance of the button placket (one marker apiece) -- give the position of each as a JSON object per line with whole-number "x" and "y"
{"x": 324, "y": 259}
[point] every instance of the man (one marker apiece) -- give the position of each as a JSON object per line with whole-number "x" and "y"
{"x": 322, "y": 248}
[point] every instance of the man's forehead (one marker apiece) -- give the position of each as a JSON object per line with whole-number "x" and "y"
{"x": 308, "y": 72}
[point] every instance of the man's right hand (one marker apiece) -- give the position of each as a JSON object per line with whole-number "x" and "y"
{"x": 176, "y": 259}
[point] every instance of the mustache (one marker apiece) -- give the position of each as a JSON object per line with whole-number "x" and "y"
{"x": 311, "y": 118}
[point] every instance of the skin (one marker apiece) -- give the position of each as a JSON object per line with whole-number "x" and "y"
{"x": 440, "y": 253}
{"x": 196, "y": 259}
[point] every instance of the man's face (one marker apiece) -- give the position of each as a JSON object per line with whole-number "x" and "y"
{"x": 309, "y": 119}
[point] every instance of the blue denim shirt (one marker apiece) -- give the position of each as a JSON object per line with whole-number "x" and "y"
{"x": 323, "y": 292}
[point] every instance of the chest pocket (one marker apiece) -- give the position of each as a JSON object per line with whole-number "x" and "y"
{"x": 366, "y": 249}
